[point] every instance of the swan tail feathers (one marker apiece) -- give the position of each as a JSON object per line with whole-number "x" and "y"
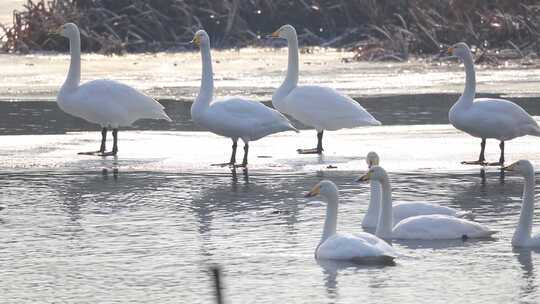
{"x": 159, "y": 115}
{"x": 535, "y": 131}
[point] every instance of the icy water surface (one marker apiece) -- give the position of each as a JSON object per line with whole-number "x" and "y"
{"x": 145, "y": 226}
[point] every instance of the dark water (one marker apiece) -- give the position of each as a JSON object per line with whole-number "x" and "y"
{"x": 43, "y": 117}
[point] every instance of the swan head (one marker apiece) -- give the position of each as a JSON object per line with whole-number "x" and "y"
{"x": 286, "y": 31}
{"x": 201, "y": 38}
{"x": 460, "y": 50}
{"x": 325, "y": 188}
{"x": 372, "y": 159}
{"x": 68, "y": 30}
{"x": 375, "y": 173}
{"x": 523, "y": 167}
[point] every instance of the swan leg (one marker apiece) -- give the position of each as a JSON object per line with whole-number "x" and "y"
{"x": 501, "y": 159}
{"x": 245, "y": 160}
{"x": 115, "y": 145}
{"x": 233, "y": 156}
{"x": 102, "y": 148}
{"x": 317, "y": 150}
{"x": 481, "y": 159}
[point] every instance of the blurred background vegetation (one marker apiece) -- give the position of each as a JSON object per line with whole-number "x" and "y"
{"x": 374, "y": 29}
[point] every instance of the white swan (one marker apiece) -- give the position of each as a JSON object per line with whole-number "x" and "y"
{"x": 487, "y": 117}
{"x": 421, "y": 227}
{"x": 400, "y": 210}
{"x": 319, "y": 107}
{"x": 522, "y": 235}
{"x": 359, "y": 248}
{"x": 233, "y": 117}
{"x": 105, "y": 102}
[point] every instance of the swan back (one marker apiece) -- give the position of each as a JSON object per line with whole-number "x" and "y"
{"x": 359, "y": 248}
{"x": 438, "y": 227}
{"x": 325, "y": 109}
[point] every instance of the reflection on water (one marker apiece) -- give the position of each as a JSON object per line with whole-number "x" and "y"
{"x": 529, "y": 284}
{"x": 147, "y": 236}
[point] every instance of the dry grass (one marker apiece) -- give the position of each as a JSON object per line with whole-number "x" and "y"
{"x": 376, "y": 29}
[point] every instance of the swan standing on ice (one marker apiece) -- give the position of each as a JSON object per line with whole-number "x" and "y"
{"x": 522, "y": 235}
{"x": 421, "y": 227}
{"x": 319, "y": 107}
{"x": 400, "y": 210}
{"x": 359, "y": 248}
{"x": 233, "y": 117}
{"x": 105, "y": 102}
{"x": 487, "y": 117}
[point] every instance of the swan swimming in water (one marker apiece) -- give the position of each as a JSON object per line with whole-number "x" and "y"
{"x": 487, "y": 117}
{"x": 233, "y": 117}
{"x": 320, "y": 107}
{"x": 400, "y": 210}
{"x": 522, "y": 236}
{"x": 421, "y": 227}
{"x": 107, "y": 103}
{"x": 359, "y": 248}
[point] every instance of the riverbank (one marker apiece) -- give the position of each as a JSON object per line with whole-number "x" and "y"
{"x": 374, "y": 30}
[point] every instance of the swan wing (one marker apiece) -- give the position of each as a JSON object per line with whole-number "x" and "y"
{"x": 403, "y": 210}
{"x": 108, "y": 102}
{"x": 355, "y": 247}
{"x": 499, "y": 118}
{"x": 325, "y": 108}
{"x": 439, "y": 227}
{"x": 245, "y": 118}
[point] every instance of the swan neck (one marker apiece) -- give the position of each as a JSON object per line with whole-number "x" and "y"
{"x": 291, "y": 80}
{"x": 470, "y": 80}
{"x": 330, "y": 222}
{"x": 372, "y": 213}
{"x": 385, "y": 223}
{"x": 524, "y": 228}
{"x": 207, "y": 80}
{"x": 74, "y": 75}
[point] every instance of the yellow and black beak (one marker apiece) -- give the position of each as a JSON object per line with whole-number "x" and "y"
{"x": 510, "y": 167}
{"x": 364, "y": 178}
{"x": 451, "y": 50}
{"x": 196, "y": 40}
{"x": 314, "y": 192}
{"x": 274, "y": 34}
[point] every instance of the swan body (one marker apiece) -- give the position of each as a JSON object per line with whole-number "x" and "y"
{"x": 361, "y": 248}
{"x": 322, "y": 108}
{"x": 438, "y": 227}
{"x": 420, "y": 227}
{"x": 522, "y": 236}
{"x": 235, "y": 117}
{"x": 487, "y": 117}
{"x": 107, "y": 103}
{"x": 358, "y": 248}
{"x": 400, "y": 210}
{"x": 241, "y": 118}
